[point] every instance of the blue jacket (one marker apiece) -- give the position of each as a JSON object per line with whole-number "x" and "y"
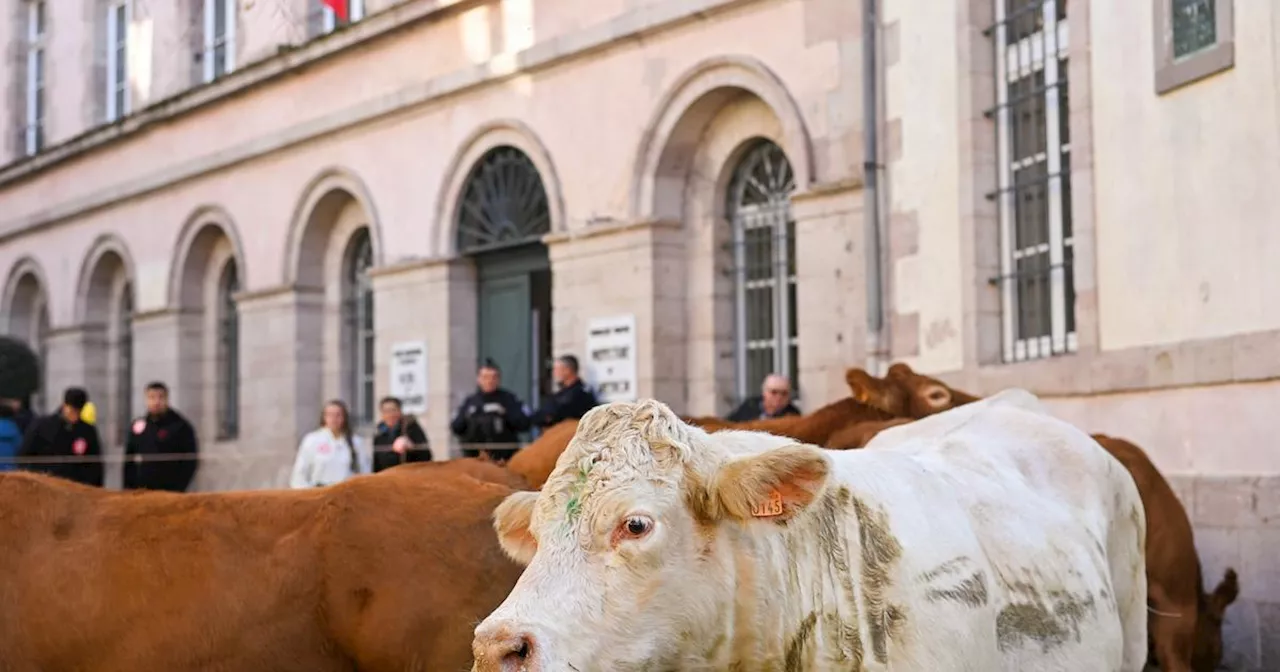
{"x": 10, "y": 442}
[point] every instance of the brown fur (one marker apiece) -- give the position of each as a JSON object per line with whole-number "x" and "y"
{"x": 1189, "y": 640}
{"x": 387, "y": 572}
{"x": 536, "y": 461}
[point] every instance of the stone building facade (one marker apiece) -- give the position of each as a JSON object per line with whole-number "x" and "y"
{"x": 253, "y": 200}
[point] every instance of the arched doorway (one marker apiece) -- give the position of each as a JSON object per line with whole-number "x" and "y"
{"x": 764, "y": 263}
{"x": 501, "y": 218}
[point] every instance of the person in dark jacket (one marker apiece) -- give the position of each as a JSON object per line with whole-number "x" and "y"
{"x": 399, "y": 438}
{"x": 156, "y": 442}
{"x": 773, "y": 402}
{"x": 65, "y": 436}
{"x": 571, "y": 400}
{"x": 490, "y": 420}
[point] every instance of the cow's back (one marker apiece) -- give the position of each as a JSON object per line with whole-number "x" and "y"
{"x": 106, "y": 581}
{"x": 1005, "y": 516}
{"x": 413, "y": 565}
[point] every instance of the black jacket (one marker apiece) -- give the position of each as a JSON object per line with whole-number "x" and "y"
{"x": 385, "y": 458}
{"x": 572, "y": 401}
{"x": 753, "y": 409}
{"x": 166, "y": 434}
{"x": 496, "y": 417}
{"x": 53, "y": 436}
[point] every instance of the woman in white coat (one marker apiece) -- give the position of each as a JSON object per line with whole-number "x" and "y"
{"x": 331, "y": 454}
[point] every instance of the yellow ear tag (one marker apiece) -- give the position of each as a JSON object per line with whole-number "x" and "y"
{"x": 770, "y": 507}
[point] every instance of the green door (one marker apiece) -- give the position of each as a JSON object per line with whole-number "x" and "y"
{"x": 506, "y": 330}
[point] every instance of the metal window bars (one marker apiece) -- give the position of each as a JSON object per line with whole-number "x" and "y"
{"x": 764, "y": 267}
{"x": 1034, "y": 195}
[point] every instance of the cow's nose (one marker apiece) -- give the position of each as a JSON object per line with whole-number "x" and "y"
{"x": 504, "y": 649}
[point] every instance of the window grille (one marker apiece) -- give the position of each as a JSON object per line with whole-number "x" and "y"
{"x": 228, "y": 412}
{"x": 357, "y": 312}
{"x": 764, "y": 267}
{"x": 503, "y": 203}
{"x": 1034, "y": 191}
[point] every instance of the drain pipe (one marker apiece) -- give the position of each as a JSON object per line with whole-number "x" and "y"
{"x": 877, "y": 335}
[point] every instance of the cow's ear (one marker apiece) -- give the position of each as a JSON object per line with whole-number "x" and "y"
{"x": 773, "y": 485}
{"x": 512, "y": 520}
{"x": 877, "y": 393}
{"x": 1226, "y": 592}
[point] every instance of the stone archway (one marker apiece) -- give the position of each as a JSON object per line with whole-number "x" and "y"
{"x": 26, "y": 304}
{"x": 105, "y": 309}
{"x": 335, "y": 243}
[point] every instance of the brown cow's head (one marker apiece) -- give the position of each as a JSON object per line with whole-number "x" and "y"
{"x": 905, "y": 393}
{"x": 1213, "y": 607}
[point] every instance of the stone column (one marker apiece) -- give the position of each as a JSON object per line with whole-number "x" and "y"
{"x": 636, "y": 268}
{"x": 432, "y": 301}
{"x": 830, "y": 288}
{"x": 280, "y": 390}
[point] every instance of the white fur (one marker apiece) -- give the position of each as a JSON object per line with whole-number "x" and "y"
{"x": 997, "y": 489}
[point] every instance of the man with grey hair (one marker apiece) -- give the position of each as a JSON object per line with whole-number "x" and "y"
{"x": 774, "y": 401}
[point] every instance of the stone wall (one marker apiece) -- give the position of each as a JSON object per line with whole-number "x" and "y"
{"x": 1237, "y": 524}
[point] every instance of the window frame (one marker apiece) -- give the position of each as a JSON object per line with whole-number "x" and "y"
{"x": 1173, "y": 73}
{"x": 212, "y": 41}
{"x": 37, "y": 65}
{"x": 329, "y": 20}
{"x": 118, "y": 92}
{"x": 1053, "y": 38}
{"x": 780, "y": 218}
{"x": 125, "y": 361}
{"x": 358, "y": 315}
{"x": 227, "y": 321}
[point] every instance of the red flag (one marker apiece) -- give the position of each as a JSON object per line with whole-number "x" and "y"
{"x": 339, "y": 8}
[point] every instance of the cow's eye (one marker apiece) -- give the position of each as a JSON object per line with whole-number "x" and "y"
{"x": 636, "y": 526}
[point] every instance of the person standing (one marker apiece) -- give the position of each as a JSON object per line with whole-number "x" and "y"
{"x": 161, "y": 432}
{"x": 572, "y": 399}
{"x": 66, "y": 436}
{"x": 490, "y": 420}
{"x": 399, "y": 436}
{"x": 332, "y": 453}
{"x": 774, "y": 401}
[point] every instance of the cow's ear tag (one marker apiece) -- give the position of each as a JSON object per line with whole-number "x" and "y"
{"x": 770, "y": 507}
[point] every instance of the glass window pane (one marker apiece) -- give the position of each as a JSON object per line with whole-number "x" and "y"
{"x": 1195, "y": 26}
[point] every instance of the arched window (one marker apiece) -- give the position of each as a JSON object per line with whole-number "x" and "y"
{"x": 124, "y": 363}
{"x": 357, "y": 320}
{"x": 41, "y": 399}
{"x": 764, "y": 254}
{"x": 228, "y": 353}
{"x": 503, "y": 204}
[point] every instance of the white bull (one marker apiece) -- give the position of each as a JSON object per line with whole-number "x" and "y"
{"x": 989, "y": 537}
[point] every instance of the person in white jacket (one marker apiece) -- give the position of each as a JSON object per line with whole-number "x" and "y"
{"x": 331, "y": 454}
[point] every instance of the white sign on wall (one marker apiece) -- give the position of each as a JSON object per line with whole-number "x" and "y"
{"x": 611, "y": 357}
{"x": 409, "y": 375}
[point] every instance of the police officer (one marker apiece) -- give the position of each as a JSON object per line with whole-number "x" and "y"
{"x": 164, "y": 436}
{"x": 66, "y": 436}
{"x": 491, "y": 419}
{"x": 571, "y": 400}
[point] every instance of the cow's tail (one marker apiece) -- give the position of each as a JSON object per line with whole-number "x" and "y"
{"x": 1127, "y": 558}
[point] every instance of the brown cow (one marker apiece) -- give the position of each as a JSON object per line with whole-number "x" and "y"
{"x": 858, "y": 434}
{"x": 537, "y": 460}
{"x": 1185, "y": 624}
{"x": 388, "y": 572}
